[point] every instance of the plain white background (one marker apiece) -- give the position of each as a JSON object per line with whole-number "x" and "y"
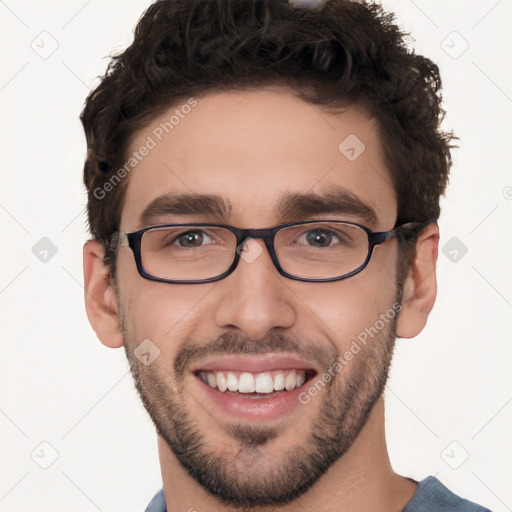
{"x": 449, "y": 397}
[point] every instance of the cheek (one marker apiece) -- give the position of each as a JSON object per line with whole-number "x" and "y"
{"x": 163, "y": 313}
{"x": 344, "y": 309}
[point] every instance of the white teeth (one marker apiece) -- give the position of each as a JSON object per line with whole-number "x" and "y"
{"x": 279, "y": 381}
{"x": 222, "y": 383}
{"x": 290, "y": 381}
{"x": 212, "y": 381}
{"x": 264, "y": 383}
{"x": 232, "y": 381}
{"x": 247, "y": 382}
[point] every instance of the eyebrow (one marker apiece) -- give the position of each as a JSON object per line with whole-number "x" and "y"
{"x": 291, "y": 206}
{"x": 338, "y": 200}
{"x": 186, "y": 204}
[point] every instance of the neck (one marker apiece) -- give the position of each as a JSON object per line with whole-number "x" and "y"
{"x": 361, "y": 480}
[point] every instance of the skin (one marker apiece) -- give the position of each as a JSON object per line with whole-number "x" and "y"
{"x": 276, "y": 143}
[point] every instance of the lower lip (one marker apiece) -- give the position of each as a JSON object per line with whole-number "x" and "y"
{"x": 253, "y": 409}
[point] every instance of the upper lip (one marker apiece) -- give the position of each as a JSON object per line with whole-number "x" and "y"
{"x": 254, "y": 364}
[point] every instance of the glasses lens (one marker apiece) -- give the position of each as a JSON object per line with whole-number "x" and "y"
{"x": 187, "y": 252}
{"x": 321, "y": 250}
{"x": 317, "y": 250}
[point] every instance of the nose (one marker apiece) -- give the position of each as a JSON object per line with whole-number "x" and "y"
{"x": 254, "y": 298}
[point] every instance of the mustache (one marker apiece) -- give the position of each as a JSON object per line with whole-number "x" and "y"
{"x": 230, "y": 344}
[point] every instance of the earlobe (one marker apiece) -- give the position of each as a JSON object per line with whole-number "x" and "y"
{"x": 420, "y": 287}
{"x": 100, "y": 297}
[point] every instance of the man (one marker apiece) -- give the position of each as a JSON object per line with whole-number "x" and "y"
{"x": 263, "y": 187}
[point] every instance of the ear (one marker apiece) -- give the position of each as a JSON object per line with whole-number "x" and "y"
{"x": 100, "y": 298}
{"x": 420, "y": 287}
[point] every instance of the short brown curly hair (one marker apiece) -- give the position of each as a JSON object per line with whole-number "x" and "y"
{"x": 347, "y": 51}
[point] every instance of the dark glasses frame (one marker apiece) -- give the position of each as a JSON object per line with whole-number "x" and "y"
{"x": 133, "y": 240}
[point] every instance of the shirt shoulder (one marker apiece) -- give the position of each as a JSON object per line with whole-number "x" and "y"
{"x": 157, "y": 504}
{"x": 433, "y": 496}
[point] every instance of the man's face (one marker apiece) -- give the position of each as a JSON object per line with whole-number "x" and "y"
{"x": 253, "y": 151}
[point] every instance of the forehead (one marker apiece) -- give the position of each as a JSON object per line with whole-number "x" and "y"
{"x": 257, "y": 152}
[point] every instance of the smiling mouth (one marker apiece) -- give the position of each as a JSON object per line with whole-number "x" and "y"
{"x": 255, "y": 385}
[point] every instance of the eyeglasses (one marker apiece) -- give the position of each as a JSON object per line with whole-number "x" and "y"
{"x": 312, "y": 251}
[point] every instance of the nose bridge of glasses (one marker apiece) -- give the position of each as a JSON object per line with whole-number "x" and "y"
{"x": 255, "y": 233}
{"x": 252, "y": 250}
{"x": 245, "y": 234}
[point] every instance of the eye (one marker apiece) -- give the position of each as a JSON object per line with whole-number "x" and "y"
{"x": 192, "y": 239}
{"x": 321, "y": 237}
{"x": 318, "y": 237}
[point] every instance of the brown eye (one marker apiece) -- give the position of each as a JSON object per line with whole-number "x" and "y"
{"x": 190, "y": 239}
{"x": 319, "y": 238}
